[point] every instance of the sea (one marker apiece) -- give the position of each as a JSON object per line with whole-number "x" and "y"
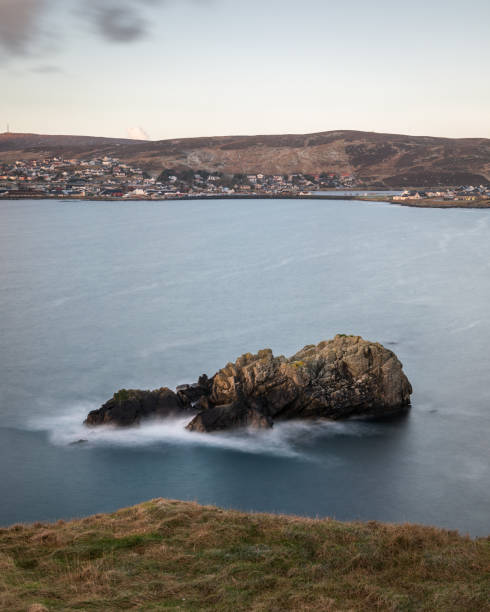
{"x": 98, "y": 296}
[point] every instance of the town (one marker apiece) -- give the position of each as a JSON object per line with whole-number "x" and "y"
{"x": 466, "y": 193}
{"x": 109, "y": 178}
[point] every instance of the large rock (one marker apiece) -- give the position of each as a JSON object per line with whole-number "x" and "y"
{"x": 129, "y": 406}
{"x": 238, "y": 414}
{"x": 336, "y": 379}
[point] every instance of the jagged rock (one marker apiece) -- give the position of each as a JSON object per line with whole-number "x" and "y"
{"x": 128, "y": 407}
{"x": 230, "y": 416}
{"x": 191, "y": 394}
{"x": 336, "y": 379}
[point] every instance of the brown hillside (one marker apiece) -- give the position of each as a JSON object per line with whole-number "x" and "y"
{"x": 387, "y": 159}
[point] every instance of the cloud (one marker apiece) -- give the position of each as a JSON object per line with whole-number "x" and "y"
{"x": 23, "y": 22}
{"x": 47, "y": 69}
{"x": 120, "y": 21}
{"x": 138, "y": 133}
{"x": 20, "y": 24}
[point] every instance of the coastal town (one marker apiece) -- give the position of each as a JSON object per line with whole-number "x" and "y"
{"x": 110, "y": 178}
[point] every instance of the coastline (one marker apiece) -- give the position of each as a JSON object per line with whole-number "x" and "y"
{"x": 424, "y": 203}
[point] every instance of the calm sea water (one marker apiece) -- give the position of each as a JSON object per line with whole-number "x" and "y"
{"x": 99, "y": 296}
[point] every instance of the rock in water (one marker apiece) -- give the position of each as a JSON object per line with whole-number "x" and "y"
{"x": 129, "y": 406}
{"x": 229, "y": 416}
{"x": 336, "y": 379}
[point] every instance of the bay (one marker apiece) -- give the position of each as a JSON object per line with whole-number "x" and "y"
{"x": 96, "y": 296}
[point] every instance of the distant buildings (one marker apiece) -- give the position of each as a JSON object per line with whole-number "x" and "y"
{"x": 462, "y": 193}
{"x": 108, "y": 178}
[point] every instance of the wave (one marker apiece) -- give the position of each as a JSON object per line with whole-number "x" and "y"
{"x": 287, "y": 439}
{"x": 465, "y": 328}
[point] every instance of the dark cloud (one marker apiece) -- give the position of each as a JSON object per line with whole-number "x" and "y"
{"x": 26, "y": 24}
{"x": 119, "y": 21}
{"x": 19, "y": 24}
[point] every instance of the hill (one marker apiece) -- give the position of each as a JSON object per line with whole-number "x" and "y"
{"x": 376, "y": 159}
{"x": 170, "y": 555}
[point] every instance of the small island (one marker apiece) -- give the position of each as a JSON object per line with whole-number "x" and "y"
{"x": 341, "y": 378}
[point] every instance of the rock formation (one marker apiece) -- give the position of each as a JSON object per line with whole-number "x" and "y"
{"x": 129, "y": 406}
{"x": 336, "y": 379}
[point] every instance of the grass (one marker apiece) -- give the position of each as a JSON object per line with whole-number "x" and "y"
{"x": 171, "y": 555}
{"x": 122, "y": 395}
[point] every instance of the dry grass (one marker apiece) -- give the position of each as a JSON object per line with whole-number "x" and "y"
{"x": 170, "y": 555}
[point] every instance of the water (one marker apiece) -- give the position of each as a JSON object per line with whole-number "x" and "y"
{"x": 99, "y": 296}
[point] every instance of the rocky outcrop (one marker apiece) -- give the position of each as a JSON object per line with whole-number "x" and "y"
{"x": 196, "y": 393}
{"x": 336, "y": 379}
{"x": 230, "y": 416}
{"x": 130, "y": 406}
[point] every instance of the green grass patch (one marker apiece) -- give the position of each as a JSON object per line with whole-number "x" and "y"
{"x": 121, "y": 396}
{"x": 170, "y": 555}
{"x": 94, "y": 547}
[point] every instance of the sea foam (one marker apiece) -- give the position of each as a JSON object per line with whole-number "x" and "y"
{"x": 287, "y": 439}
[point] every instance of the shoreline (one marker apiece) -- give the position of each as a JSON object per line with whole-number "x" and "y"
{"x": 428, "y": 203}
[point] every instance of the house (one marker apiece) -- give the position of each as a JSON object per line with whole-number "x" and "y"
{"x": 138, "y": 193}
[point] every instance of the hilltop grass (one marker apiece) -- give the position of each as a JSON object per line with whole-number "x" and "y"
{"x": 171, "y": 555}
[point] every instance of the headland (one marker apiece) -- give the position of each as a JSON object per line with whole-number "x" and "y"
{"x": 178, "y": 555}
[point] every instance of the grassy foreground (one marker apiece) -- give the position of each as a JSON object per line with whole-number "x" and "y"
{"x": 171, "y": 555}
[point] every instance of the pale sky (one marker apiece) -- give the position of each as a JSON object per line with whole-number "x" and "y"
{"x": 180, "y": 68}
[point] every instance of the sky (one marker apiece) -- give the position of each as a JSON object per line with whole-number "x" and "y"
{"x": 181, "y": 68}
